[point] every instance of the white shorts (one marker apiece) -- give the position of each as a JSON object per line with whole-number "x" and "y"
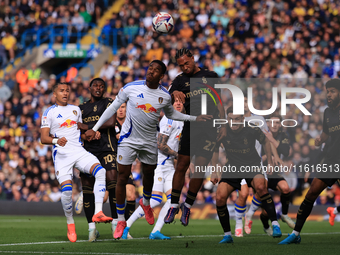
{"x": 64, "y": 163}
{"x": 162, "y": 180}
{"x": 126, "y": 155}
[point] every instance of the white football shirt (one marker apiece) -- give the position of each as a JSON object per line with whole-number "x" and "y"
{"x": 142, "y": 112}
{"x": 173, "y": 129}
{"x": 62, "y": 121}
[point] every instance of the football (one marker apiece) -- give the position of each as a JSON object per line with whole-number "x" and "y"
{"x": 163, "y": 23}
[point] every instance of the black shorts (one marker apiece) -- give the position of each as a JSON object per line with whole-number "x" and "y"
{"x": 330, "y": 176}
{"x": 273, "y": 180}
{"x": 236, "y": 182}
{"x": 329, "y": 181}
{"x": 108, "y": 160}
{"x": 197, "y": 142}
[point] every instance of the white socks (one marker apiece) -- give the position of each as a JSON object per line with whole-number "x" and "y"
{"x": 296, "y": 233}
{"x": 335, "y": 210}
{"x": 66, "y": 201}
{"x": 99, "y": 187}
{"x": 275, "y": 223}
{"x": 161, "y": 216}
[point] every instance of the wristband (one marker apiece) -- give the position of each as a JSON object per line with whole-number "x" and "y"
{"x": 55, "y": 140}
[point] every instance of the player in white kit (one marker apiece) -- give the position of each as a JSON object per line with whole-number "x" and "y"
{"x": 59, "y": 128}
{"x": 168, "y": 140}
{"x": 145, "y": 100}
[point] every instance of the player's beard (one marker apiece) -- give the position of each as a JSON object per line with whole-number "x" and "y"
{"x": 335, "y": 102}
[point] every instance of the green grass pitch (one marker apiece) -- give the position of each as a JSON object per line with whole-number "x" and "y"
{"x": 47, "y": 235}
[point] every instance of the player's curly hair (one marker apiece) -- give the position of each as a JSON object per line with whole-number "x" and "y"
{"x": 182, "y": 52}
{"x": 333, "y": 83}
{"x": 98, "y": 79}
{"x": 55, "y": 86}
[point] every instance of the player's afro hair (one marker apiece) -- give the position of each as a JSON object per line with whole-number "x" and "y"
{"x": 98, "y": 79}
{"x": 333, "y": 83}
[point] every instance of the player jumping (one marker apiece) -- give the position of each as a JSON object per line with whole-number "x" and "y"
{"x": 194, "y": 141}
{"x": 146, "y": 98}
{"x": 168, "y": 139}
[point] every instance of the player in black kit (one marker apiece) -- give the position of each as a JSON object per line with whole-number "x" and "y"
{"x": 105, "y": 149}
{"x": 280, "y": 141}
{"x": 201, "y": 140}
{"x": 325, "y": 178}
{"x": 244, "y": 162}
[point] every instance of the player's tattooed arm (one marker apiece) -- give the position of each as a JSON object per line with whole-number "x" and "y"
{"x": 163, "y": 146}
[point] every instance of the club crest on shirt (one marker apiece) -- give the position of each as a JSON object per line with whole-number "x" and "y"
{"x": 160, "y": 179}
{"x": 95, "y": 108}
{"x": 75, "y": 112}
{"x": 245, "y": 141}
{"x": 120, "y": 157}
{"x": 160, "y": 100}
{"x": 57, "y": 173}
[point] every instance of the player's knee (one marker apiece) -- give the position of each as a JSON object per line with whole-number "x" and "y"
{"x": 221, "y": 200}
{"x": 312, "y": 195}
{"x": 261, "y": 190}
{"x": 123, "y": 177}
{"x": 285, "y": 189}
{"x": 66, "y": 190}
{"x": 99, "y": 172}
{"x": 182, "y": 167}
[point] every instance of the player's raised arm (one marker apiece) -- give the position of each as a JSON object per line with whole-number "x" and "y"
{"x": 171, "y": 113}
{"x": 107, "y": 114}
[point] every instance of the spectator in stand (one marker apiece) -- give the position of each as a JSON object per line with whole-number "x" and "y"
{"x": 107, "y": 72}
{"x": 33, "y": 75}
{"x": 5, "y": 92}
{"x": 9, "y": 42}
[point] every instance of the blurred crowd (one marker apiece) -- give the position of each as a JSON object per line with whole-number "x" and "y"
{"x": 18, "y": 16}
{"x": 280, "y": 43}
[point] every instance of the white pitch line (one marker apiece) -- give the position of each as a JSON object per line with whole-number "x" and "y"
{"x": 80, "y": 253}
{"x": 145, "y": 238}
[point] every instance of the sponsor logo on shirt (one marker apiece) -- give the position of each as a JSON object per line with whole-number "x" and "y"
{"x": 146, "y": 108}
{"x": 68, "y": 123}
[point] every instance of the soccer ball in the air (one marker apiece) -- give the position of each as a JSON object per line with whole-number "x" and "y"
{"x": 163, "y": 23}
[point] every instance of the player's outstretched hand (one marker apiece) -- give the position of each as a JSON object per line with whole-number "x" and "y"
{"x": 277, "y": 161}
{"x": 62, "y": 141}
{"x": 82, "y": 126}
{"x": 98, "y": 135}
{"x": 204, "y": 117}
{"x": 318, "y": 141}
{"x": 90, "y": 135}
{"x": 180, "y": 95}
{"x": 269, "y": 135}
